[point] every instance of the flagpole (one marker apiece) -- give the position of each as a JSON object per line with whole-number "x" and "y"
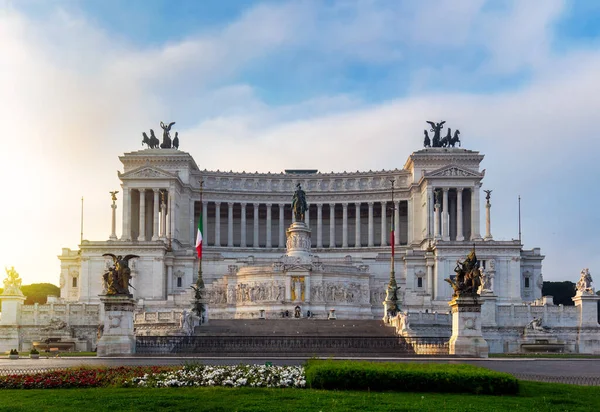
{"x": 391, "y": 299}
{"x": 200, "y": 281}
{"x": 81, "y": 236}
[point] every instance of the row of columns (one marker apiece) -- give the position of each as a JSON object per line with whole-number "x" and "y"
{"x": 159, "y": 214}
{"x": 319, "y": 230}
{"x": 441, "y": 215}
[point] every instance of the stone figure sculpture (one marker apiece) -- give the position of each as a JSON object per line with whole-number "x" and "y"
{"x": 536, "y": 325}
{"x": 427, "y": 140}
{"x": 12, "y": 283}
{"x": 113, "y": 195}
{"x": 186, "y": 323}
{"x": 468, "y": 276}
{"x": 436, "y": 128}
{"x": 404, "y": 323}
{"x": 455, "y": 139}
{"x": 488, "y": 195}
{"x": 116, "y": 280}
{"x": 166, "y": 143}
{"x": 299, "y": 204}
{"x": 152, "y": 141}
{"x": 447, "y": 139}
{"x": 584, "y": 284}
{"x": 176, "y": 140}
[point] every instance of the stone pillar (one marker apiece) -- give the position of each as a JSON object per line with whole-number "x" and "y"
{"x": 269, "y": 243}
{"x": 410, "y": 226}
{"x": 205, "y": 223}
{"x": 588, "y": 310}
{"x": 344, "y": 224}
{"x": 217, "y": 223}
{"x": 172, "y": 217}
{"x": 332, "y": 225}
{"x": 466, "y": 339}
{"x": 445, "y": 216}
{"x": 155, "y": 216}
{"x": 163, "y": 217}
{"x": 113, "y": 223}
{"x": 357, "y": 242}
{"x": 230, "y": 224}
{"x": 397, "y": 223}
{"x": 193, "y": 225}
{"x": 281, "y": 242}
{"x": 475, "y": 235}
{"x": 243, "y": 226}
{"x": 430, "y": 210}
{"x": 117, "y": 336}
{"x": 307, "y": 217}
{"x": 126, "y": 233}
{"x": 436, "y": 222}
{"x": 319, "y": 225}
{"x": 460, "y": 235}
{"x": 429, "y": 264}
{"x": 384, "y": 228}
{"x": 370, "y": 243}
{"x": 488, "y": 223}
{"x": 255, "y": 239}
{"x": 142, "y": 234}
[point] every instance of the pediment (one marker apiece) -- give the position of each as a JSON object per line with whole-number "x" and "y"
{"x": 147, "y": 172}
{"x": 454, "y": 171}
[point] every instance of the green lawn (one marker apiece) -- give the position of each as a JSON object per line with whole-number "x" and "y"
{"x": 533, "y": 397}
{"x": 544, "y": 355}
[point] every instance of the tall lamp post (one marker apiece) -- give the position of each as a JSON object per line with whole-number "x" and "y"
{"x": 391, "y": 299}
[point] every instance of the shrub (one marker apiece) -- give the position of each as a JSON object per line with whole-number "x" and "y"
{"x": 34, "y": 351}
{"x": 408, "y": 377}
{"x": 14, "y": 352}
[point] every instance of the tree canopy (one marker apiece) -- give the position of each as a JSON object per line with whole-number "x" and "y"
{"x": 38, "y": 292}
{"x": 562, "y": 292}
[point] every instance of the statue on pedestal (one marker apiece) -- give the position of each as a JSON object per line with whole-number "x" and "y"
{"x": 299, "y": 205}
{"x": 166, "y": 143}
{"x": 116, "y": 280}
{"x": 12, "y": 283}
{"x": 468, "y": 276}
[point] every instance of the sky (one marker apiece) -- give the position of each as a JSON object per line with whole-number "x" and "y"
{"x": 348, "y": 83}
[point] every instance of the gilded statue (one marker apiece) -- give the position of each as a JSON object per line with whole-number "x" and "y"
{"x": 116, "y": 280}
{"x": 12, "y": 283}
{"x": 468, "y": 276}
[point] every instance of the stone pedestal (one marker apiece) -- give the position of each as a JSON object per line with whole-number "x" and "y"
{"x": 11, "y": 309}
{"x": 488, "y": 308}
{"x": 117, "y": 337}
{"x": 298, "y": 240}
{"x": 588, "y": 309}
{"x": 466, "y": 339}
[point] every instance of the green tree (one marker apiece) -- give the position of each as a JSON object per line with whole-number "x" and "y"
{"x": 38, "y": 292}
{"x": 562, "y": 292}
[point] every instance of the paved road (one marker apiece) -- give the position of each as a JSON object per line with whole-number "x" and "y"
{"x": 583, "y": 371}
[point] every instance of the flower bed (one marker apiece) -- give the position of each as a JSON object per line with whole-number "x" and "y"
{"x": 235, "y": 376}
{"x": 77, "y": 377}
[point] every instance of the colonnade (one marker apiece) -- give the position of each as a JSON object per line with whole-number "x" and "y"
{"x": 146, "y": 214}
{"x": 454, "y": 213}
{"x": 357, "y": 224}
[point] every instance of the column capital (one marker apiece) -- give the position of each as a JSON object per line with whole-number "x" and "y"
{"x": 281, "y": 205}
{"x": 217, "y": 203}
{"x": 156, "y": 190}
{"x": 243, "y": 204}
{"x": 370, "y": 204}
{"x": 256, "y": 205}
{"x": 319, "y": 205}
{"x": 345, "y": 205}
{"x": 332, "y": 205}
{"x": 357, "y": 204}
{"x": 445, "y": 189}
{"x": 230, "y": 204}
{"x": 269, "y": 204}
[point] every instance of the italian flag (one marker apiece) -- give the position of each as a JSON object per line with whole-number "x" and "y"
{"x": 199, "y": 238}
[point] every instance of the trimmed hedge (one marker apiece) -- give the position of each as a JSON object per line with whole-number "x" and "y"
{"x": 408, "y": 377}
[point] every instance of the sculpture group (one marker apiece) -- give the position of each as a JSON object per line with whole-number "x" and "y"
{"x": 584, "y": 284}
{"x": 299, "y": 204}
{"x": 468, "y": 276}
{"x": 438, "y": 141}
{"x": 115, "y": 281}
{"x": 152, "y": 142}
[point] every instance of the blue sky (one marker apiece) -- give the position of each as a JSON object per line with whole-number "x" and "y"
{"x": 247, "y": 80}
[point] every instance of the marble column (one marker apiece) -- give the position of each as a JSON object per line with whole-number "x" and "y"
{"x": 255, "y": 239}
{"x": 430, "y": 210}
{"x": 113, "y": 222}
{"x": 163, "y": 216}
{"x": 155, "y": 215}
{"x": 332, "y": 225}
{"x": 344, "y": 224}
{"x": 269, "y": 243}
{"x": 307, "y": 217}
{"x": 204, "y": 223}
{"x": 172, "y": 217}
{"x": 384, "y": 228}
{"x": 371, "y": 243}
{"x": 243, "y": 226}
{"x": 445, "y": 215}
{"x": 459, "y": 215}
{"x": 357, "y": 242}
{"x": 142, "y": 233}
{"x": 281, "y": 226}
{"x": 488, "y": 222}
{"x": 319, "y": 225}
{"x": 193, "y": 226}
{"x": 409, "y": 217}
{"x": 230, "y": 224}
{"x": 475, "y": 234}
{"x": 126, "y": 233}
{"x": 436, "y": 222}
{"x": 217, "y": 223}
{"x": 397, "y": 223}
